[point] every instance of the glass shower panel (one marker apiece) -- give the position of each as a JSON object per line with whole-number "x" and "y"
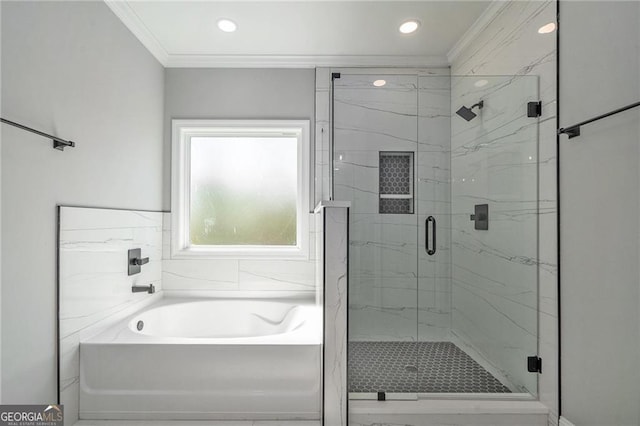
{"x": 434, "y": 223}
{"x": 494, "y": 228}
{"x": 434, "y": 207}
{"x": 375, "y": 146}
{"x": 442, "y": 175}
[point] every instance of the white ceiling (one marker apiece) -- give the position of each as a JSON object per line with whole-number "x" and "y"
{"x": 307, "y": 33}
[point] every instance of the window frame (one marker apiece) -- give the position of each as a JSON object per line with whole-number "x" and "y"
{"x": 182, "y": 132}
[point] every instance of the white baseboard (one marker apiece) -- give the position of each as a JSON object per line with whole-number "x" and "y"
{"x": 565, "y": 422}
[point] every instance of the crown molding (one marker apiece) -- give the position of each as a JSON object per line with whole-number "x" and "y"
{"x": 128, "y": 16}
{"x": 302, "y": 61}
{"x": 478, "y": 26}
{"x": 131, "y": 20}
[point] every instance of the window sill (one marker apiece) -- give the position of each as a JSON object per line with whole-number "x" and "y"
{"x": 267, "y": 253}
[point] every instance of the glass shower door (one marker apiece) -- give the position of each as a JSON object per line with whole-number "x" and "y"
{"x": 434, "y": 218}
{"x": 442, "y": 174}
{"x": 375, "y": 147}
{"x": 494, "y": 232}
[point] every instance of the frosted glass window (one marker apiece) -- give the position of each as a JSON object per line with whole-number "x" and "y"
{"x": 240, "y": 189}
{"x": 243, "y": 191}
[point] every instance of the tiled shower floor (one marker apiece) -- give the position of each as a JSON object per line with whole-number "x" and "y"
{"x": 417, "y": 367}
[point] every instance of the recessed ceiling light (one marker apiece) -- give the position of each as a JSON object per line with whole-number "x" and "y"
{"x": 379, "y": 83}
{"x": 481, "y": 83}
{"x": 546, "y": 29}
{"x": 227, "y": 25}
{"x": 410, "y": 26}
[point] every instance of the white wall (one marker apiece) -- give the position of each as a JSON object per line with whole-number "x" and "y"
{"x": 237, "y": 94}
{"x": 1, "y": 400}
{"x": 248, "y": 93}
{"x": 72, "y": 69}
{"x": 599, "y": 178}
{"x": 511, "y": 45}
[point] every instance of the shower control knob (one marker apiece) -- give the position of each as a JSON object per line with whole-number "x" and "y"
{"x": 139, "y": 261}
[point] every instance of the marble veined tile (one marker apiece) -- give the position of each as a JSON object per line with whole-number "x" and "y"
{"x": 277, "y": 275}
{"x": 375, "y": 118}
{"x": 200, "y": 274}
{"x": 358, "y": 135}
{"x": 434, "y": 114}
{"x": 356, "y": 178}
{"x": 94, "y": 287}
{"x": 376, "y": 323}
{"x": 93, "y": 262}
{"x": 335, "y": 248}
{"x": 387, "y": 270}
{"x": 224, "y": 275}
{"x": 505, "y": 158}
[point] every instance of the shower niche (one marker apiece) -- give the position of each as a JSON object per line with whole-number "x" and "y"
{"x": 396, "y": 182}
{"x": 458, "y": 315}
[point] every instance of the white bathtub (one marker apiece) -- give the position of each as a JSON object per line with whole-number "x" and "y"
{"x": 206, "y": 359}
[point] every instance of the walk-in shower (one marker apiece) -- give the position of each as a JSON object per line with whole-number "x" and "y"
{"x": 438, "y": 304}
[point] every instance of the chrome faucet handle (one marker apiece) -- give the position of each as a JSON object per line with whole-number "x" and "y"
{"x": 135, "y": 261}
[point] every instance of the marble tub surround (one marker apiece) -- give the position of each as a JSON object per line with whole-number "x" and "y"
{"x": 239, "y": 277}
{"x": 94, "y": 288}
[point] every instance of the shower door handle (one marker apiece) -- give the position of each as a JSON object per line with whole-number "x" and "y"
{"x": 430, "y": 251}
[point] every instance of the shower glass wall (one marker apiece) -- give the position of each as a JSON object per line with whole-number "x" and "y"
{"x": 437, "y": 303}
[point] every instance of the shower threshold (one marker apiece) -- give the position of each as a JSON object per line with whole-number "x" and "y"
{"x": 436, "y": 412}
{"x": 406, "y": 396}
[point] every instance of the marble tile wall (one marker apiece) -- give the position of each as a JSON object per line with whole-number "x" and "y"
{"x": 323, "y": 113}
{"x": 394, "y": 284}
{"x": 383, "y": 248}
{"x": 238, "y": 277}
{"x": 334, "y": 246}
{"x": 511, "y": 45}
{"x": 434, "y": 199}
{"x": 495, "y": 271}
{"x": 94, "y": 288}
